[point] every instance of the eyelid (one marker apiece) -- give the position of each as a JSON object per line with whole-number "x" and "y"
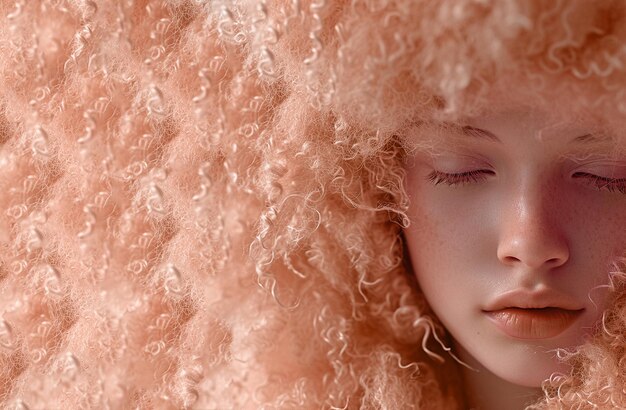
{"x": 593, "y": 159}
{"x": 477, "y": 176}
{"x": 460, "y": 178}
{"x": 602, "y": 183}
{"x": 581, "y": 174}
{"x": 604, "y": 169}
{"x": 458, "y": 163}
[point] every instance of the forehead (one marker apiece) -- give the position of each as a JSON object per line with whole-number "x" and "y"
{"x": 528, "y": 134}
{"x": 527, "y": 125}
{"x": 573, "y": 132}
{"x": 515, "y": 125}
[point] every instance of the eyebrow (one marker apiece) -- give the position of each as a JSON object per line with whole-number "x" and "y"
{"x": 479, "y": 133}
{"x": 583, "y": 139}
{"x": 592, "y": 139}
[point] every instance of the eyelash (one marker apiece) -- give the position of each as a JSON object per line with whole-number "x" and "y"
{"x": 598, "y": 182}
{"x": 462, "y": 178}
{"x": 610, "y": 184}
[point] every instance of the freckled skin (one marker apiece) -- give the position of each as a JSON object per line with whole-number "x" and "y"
{"x": 527, "y": 224}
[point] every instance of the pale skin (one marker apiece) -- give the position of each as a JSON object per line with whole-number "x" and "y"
{"x": 515, "y": 201}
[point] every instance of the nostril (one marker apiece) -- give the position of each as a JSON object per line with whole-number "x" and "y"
{"x": 553, "y": 261}
{"x": 511, "y": 259}
{"x": 533, "y": 252}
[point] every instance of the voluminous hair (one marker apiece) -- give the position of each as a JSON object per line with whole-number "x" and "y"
{"x": 202, "y": 201}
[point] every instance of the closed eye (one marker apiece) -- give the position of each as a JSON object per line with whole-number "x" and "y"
{"x": 603, "y": 183}
{"x": 462, "y": 178}
{"x": 598, "y": 182}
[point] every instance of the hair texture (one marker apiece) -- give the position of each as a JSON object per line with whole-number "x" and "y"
{"x": 202, "y": 201}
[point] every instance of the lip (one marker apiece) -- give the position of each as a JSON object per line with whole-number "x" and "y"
{"x": 543, "y": 314}
{"x": 524, "y": 299}
{"x": 533, "y": 323}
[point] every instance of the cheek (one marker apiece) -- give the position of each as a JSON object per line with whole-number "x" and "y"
{"x": 613, "y": 231}
{"x": 596, "y": 218}
{"x": 443, "y": 245}
{"x": 446, "y": 225}
{"x": 596, "y": 231}
{"x": 598, "y": 238}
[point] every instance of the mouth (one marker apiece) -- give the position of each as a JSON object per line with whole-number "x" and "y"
{"x": 527, "y": 323}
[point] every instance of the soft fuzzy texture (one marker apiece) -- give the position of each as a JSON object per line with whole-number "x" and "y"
{"x": 202, "y": 200}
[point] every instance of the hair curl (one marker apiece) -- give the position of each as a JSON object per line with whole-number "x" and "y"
{"x": 203, "y": 200}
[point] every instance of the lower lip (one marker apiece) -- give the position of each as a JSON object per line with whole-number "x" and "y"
{"x": 533, "y": 323}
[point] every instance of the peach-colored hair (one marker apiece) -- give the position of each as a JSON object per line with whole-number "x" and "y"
{"x": 202, "y": 200}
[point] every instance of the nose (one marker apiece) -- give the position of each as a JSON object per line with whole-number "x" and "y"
{"x": 530, "y": 233}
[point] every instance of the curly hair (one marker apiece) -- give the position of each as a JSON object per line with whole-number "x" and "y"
{"x": 203, "y": 200}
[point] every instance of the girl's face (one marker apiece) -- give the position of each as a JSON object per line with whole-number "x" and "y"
{"x": 515, "y": 222}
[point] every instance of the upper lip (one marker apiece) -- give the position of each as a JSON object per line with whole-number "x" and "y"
{"x": 525, "y": 299}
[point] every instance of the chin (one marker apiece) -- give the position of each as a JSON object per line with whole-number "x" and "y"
{"x": 527, "y": 366}
{"x": 517, "y": 362}
{"x": 529, "y": 373}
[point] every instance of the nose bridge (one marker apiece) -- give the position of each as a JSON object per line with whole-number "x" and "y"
{"x": 531, "y": 229}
